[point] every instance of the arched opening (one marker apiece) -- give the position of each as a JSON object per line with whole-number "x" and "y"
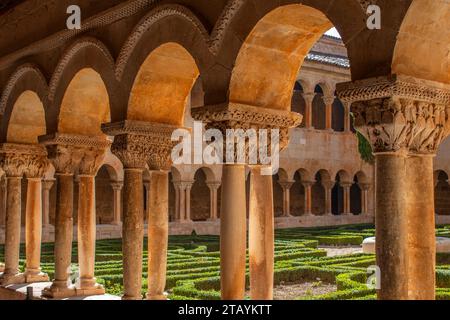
{"x": 318, "y": 109}
{"x": 298, "y": 103}
{"x": 85, "y": 105}
{"x": 337, "y": 116}
{"x": 337, "y": 197}
{"x": 104, "y": 196}
{"x": 271, "y": 56}
{"x": 297, "y": 196}
{"x": 277, "y": 196}
{"x": 200, "y": 197}
{"x": 318, "y": 195}
{"x": 356, "y": 197}
{"x": 162, "y": 86}
{"x": 442, "y": 193}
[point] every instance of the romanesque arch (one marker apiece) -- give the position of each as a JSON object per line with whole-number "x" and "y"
{"x": 201, "y": 194}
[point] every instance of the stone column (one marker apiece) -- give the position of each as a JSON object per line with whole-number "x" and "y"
{"x": 309, "y": 98}
{"x": 233, "y": 232}
{"x": 177, "y": 202}
{"x": 158, "y": 233}
{"x": 421, "y": 227}
{"x": 347, "y": 118}
{"x": 46, "y": 187}
{"x": 33, "y": 231}
{"x": 188, "y": 187}
{"x": 2, "y": 202}
{"x": 328, "y": 186}
{"x": 286, "y": 186}
{"x": 117, "y": 189}
{"x": 405, "y": 119}
{"x": 364, "y": 197}
{"x": 213, "y": 187}
{"x": 182, "y": 201}
{"x": 346, "y": 186}
{"x": 329, "y": 100}
{"x": 136, "y": 143}
{"x": 261, "y": 235}
{"x": 307, "y": 185}
{"x": 91, "y": 162}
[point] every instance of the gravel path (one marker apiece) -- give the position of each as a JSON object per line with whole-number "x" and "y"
{"x": 341, "y": 251}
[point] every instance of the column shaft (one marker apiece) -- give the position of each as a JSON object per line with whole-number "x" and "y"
{"x": 261, "y": 235}
{"x": 12, "y": 231}
{"x": 87, "y": 235}
{"x": 117, "y": 188}
{"x": 158, "y": 233}
{"x": 133, "y": 233}
{"x": 391, "y": 226}
{"x": 309, "y": 97}
{"x": 308, "y": 199}
{"x": 347, "y": 210}
{"x": 182, "y": 209}
{"x": 188, "y": 202}
{"x": 46, "y": 186}
{"x": 33, "y": 231}
{"x": 233, "y": 232}
{"x": 421, "y": 228}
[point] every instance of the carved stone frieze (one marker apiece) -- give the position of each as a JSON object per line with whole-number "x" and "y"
{"x": 18, "y": 160}
{"x": 399, "y": 113}
{"x": 138, "y": 143}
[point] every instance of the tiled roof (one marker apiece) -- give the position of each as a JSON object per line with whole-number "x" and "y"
{"x": 330, "y": 59}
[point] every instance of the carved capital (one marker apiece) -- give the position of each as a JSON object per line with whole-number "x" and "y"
{"x": 286, "y": 185}
{"x": 23, "y": 159}
{"x": 399, "y": 114}
{"x": 72, "y": 154}
{"x": 244, "y": 117}
{"x": 117, "y": 185}
{"x": 138, "y": 143}
{"x": 214, "y": 185}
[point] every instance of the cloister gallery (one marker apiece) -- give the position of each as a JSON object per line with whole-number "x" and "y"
{"x": 88, "y": 114}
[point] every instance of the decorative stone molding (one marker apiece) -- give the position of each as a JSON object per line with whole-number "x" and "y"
{"x": 214, "y": 185}
{"x": 117, "y": 185}
{"x": 286, "y": 185}
{"x": 23, "y": 159}
{"x": 71, "y": 154}
{"x": 138, "y": 143}
{"x": 239, "y": 116}
{"x": 328, "y": 185}
{"x": 399, "y": 113}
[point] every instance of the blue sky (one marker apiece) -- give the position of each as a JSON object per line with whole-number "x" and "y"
{"x": 333, "y": 32}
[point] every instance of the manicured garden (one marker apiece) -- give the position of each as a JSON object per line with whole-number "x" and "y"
{"x": 193, "y": 263}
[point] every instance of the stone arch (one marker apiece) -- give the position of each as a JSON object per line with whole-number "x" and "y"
{"x": 278, "y": 191}
{"x": 356, "y": 193}
{"x": 298, "y": 103}
{"x": 24, "y": 104}
{"x": 318, "y": 192}
{"x": 318, "y": 109}
{"x": 337, "y": 193}
{"x": 164, "y": 63}
{"x": 441, "y": 193}
{"x": 241, "y": 17}
{"x": 426, "y": 25}
{"x": 82, "y": 81}
{"x": 174, "y": 177}
{"x": 297, "y": 192}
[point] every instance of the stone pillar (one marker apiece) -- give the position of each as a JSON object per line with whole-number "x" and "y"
{"x": 182, "y": 201}
{"x": 188, "y": 186}
{"x": 405, "y": 119}
{"x": 328, "y": 111}
{"x": 46, "y": 187}
{"x": 177, "y": 202}
{"x": 307, "y": 185}
{"x": 347, "y": 118}
{"x": 309, "y": 98}
{"x": 328, "y": 186}
{"x": 158, "y": 233}
{"x": 346, "y": 186}
{"x": 33, "y": 232}
{"x": 11, "y": 273}
{"x": 261, "y": 235}
{"x": 137, "y": 144}
{"x": 365, "y": 187}
{"x": 286, "y": 186}
{"x": 2, "y": 202}
{"x": 213, "y": 187}
{"x": 421, "y": 228}
{"x": 117, "y": 189}
{"x": 233, "y": 232}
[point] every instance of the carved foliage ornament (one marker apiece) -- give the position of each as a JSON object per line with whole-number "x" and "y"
{"x": 18, "y": 160}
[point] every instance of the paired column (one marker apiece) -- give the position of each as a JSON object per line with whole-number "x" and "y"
{"x": 307, "y": 119}
{"x": 346, "y": 186}
{"x": 2, "y": 202}
{"x": 286, "y": 187}
{"x": 117, "y": 190}
{"x": 365, "y": 187}
{"x": 261, "y": 235}
{"x": 328, "y": 187}
{"x": 213, "y": 187}
{"x": 328, "y": 111}
{"x": 183, "y": 189}
{"x": 307, "y": 185}
{"x": 405, "y": 131}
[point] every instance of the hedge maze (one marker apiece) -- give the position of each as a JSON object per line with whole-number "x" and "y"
{"x": 193, "y": 264}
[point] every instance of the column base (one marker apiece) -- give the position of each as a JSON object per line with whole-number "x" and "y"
{"x": 131, "y": 298}
{"x": 161, "y": 297}
{"x": 32, "y": 276}
{"x": 59, "y": 290}
{"x": 8, "y": 279}
{"x": 96, "y": 290}
{"x": 309, "y": 214}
